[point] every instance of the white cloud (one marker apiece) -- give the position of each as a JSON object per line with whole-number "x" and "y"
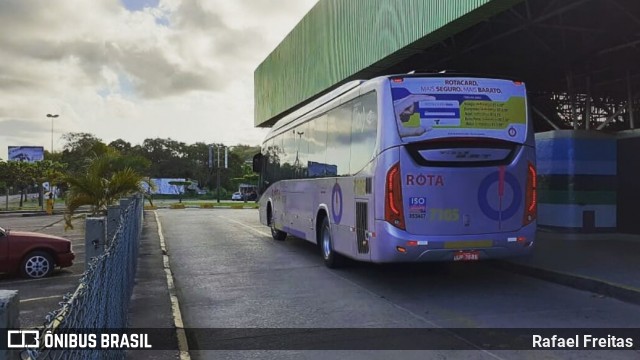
{"x": 182, "y": 70}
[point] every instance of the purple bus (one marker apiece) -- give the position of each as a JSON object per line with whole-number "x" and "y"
{"x": 405, "y": 168}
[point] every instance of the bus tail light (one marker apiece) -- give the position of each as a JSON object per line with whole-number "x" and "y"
{"x": 393, "y": 212}
{"x": 531, "y": 197}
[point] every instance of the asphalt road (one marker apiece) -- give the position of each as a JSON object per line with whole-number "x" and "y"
{"x": 229, "y": 273}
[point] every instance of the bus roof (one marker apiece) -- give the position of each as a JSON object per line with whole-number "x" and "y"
{"x": 317, "y": 103}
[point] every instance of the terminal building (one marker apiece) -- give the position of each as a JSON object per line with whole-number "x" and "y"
{"x": 579, "y": 59}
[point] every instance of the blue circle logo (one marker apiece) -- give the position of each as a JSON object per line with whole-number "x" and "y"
{"x": 483, "y": 193}
{"x": 336, "y": 203}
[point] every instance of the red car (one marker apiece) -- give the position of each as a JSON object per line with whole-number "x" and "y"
{"x": 33, "y": 255}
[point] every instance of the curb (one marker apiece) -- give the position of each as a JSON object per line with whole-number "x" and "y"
{"x": 183, "y": 345}
{"x": 22, "y": 213}
{"x": 617, "y": 291}
{"x": 30, "y": 213}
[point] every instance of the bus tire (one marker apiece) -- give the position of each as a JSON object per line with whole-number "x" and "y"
{"x": 275, "y": 233}
{"x": 331, "y": 259}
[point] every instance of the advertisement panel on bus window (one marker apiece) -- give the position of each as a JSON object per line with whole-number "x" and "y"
{"x": 428, "y": 108}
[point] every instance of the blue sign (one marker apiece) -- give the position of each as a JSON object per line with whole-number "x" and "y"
{"x": 483, "y": 193}
{"x": 336, "y": 203}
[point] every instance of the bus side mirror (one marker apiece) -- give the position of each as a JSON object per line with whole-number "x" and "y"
{"x": 257, "y": 162}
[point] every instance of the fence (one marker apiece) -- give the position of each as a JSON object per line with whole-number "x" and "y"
{"x": 101, "y": 300}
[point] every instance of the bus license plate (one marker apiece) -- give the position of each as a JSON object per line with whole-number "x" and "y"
{"x": 466, "y": 256}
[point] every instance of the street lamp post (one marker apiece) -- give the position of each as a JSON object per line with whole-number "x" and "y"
{"x": 41, "y": 195}
{"x": 218, "y": 166}
{"x": 218, "y": 177}
{"x": 52, "y": 116}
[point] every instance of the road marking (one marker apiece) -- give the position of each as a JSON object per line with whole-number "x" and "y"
{"x": 183, "y": 345}
{"x": 40, "y": 279}
{"x": 399, "y": 307}
{"x": 417, "y": 316}
{"x": 50, "y": 225}
{"x": 40, "y": 298}
{"x": 247, "y": 226}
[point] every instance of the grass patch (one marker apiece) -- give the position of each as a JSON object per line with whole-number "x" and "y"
{"x": 205, "y": 204}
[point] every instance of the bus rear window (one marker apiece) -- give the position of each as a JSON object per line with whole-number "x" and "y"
{"x": 440, "y": 107}
{"x": 462, "y": 152}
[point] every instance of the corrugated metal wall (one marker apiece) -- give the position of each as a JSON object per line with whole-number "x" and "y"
{"x": 339, "y": 39}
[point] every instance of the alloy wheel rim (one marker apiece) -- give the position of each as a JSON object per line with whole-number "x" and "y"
{"x": 326, "y": 243}
{"x": 37, "y": 266}
{"x": 272, "y": 226}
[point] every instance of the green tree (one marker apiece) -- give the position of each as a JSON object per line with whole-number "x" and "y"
{"x": 81, "y": 148}
{"x": 197, "y": 158}
{"x": 123, "y": 147}
{"x": 46, "y": 170}
{"x": 165, "y": 156}
{"x": 103, "y": 182}
{"x": 20, "y": 175}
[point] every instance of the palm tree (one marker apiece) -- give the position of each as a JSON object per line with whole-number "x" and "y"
{"x": 107, "y": 179}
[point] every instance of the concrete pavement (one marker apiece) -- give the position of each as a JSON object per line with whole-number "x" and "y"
{"x": 150, "y": 305}
{"x": 604, "y": 264}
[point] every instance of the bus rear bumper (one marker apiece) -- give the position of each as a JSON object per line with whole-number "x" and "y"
{"x": 394, "y": 245}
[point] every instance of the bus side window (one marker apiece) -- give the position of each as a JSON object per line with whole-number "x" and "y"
{"x": 339, "y": 140}
{"x": 302, "y": 149}
{"x": 258, "y": 160}
{"x": 317, "y": 129}
{"x": 364, "y": 131}
{"x": 272, "y": 161}
{"x": 287, "y": 166}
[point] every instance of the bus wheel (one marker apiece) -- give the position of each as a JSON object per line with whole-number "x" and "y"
{"x": 331, "y": 259}
{"x": 275, "y": 233}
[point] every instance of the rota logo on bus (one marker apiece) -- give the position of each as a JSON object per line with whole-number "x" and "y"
{"x": 424, "y": 180}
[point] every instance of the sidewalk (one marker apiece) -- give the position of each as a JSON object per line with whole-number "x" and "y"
{"x": 150, "y": 306}
{"x": 606, "y": 264}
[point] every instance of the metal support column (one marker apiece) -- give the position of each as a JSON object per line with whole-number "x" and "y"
{"x": 545, "y": 118}
{"x": 572, "y": 99}
{"x": 218, "y": 177}
{"x": 630, "y": 104}
{"x": 113, "y": 222}
{"x": 9, "y": 319}
{"x": 587, "y": 105}
{"x": 94, "y": 238}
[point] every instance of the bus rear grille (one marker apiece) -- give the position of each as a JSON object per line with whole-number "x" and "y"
{"x": 361, "y": 227}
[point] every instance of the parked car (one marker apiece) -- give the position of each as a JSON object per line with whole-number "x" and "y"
{"x": 33, "y": 255}
{"x": 252, "y": 196}
{"x": 236, "y": 196}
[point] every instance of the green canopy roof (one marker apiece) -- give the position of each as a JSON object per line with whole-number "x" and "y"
{"x": 342, "y": 40}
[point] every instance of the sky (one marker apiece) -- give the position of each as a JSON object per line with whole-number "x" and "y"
{"x": 135, "y": 69}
